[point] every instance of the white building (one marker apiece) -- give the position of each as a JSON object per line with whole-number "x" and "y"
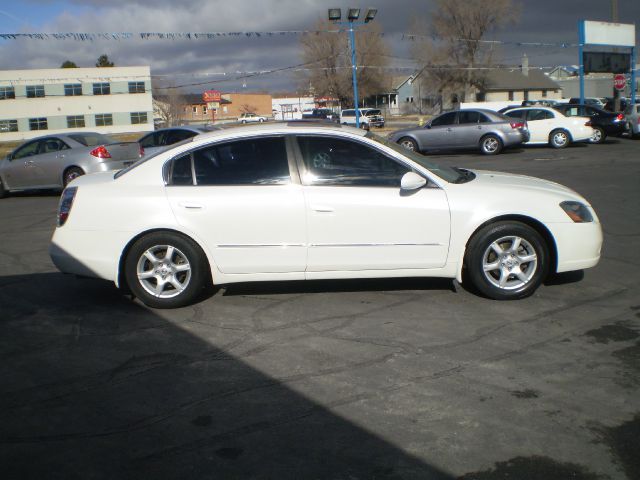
{"x": 59, "y": 100}
{"x": 291, "y": 108}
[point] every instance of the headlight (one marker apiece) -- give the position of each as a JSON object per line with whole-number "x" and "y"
{"x": 578, "y": 212}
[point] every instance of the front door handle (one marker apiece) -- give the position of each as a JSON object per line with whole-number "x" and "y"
{"x": 191, "y": 206}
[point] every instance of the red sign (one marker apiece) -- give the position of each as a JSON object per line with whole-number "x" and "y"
{"x": 619, "y": 81}
{"x": 211, "y": 96}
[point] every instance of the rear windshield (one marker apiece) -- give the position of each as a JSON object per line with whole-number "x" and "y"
{"x": 91, "y": 139}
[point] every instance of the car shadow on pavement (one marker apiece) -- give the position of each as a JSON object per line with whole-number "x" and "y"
{"x": 97, "y": 386}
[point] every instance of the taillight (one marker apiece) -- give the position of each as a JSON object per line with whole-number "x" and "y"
{"x": 100, "y": 152}
{"x": 517, "y": 125}
{"x": 620, "y": 117}
{"x": 66, "y": 202}
{"x": 141, "y": 151}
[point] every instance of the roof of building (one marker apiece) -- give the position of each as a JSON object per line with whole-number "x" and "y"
{"x": 514, "y": 79}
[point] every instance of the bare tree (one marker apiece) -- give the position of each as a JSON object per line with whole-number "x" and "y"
{"x": 451, "y": 47}
{"x": 329, "y": 57}
{"x": 168, "y": 103}
{"x": 246, "y": 108}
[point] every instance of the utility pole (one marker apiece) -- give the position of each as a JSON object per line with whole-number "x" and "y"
{"x": 615, "y": 19}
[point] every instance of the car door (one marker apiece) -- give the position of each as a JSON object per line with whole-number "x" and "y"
{"x": 17, "y": 170}
{"x": 46, "y": 167}
{"x": 541, "y": 123}
{"x": 469, "y": 129}
{"x": 358, "y": 218}
{"x": 240, "y": 199}
{"x": 439, "y": 133}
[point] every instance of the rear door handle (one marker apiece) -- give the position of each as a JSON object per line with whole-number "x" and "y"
{"x": 191, "y": 206}
{"x": 321, "y": 208}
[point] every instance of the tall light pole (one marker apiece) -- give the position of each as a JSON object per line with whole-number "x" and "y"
{"x": 335, "y": 15}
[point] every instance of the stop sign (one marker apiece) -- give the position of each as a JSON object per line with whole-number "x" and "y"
{"x": 619, "y": 81}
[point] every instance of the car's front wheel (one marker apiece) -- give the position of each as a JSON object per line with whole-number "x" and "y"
{"x": 559, "y": 139}
{"x": 408, "y": 143}
{"x": 490, "y": 145}
{"x": 166, "y": 270}
{"x": 506, "y": 260}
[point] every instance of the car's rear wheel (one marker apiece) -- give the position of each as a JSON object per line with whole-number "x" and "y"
{"x": 70, "y": 174}
{"x": 166, "y": 270}
{"x": 490, "y": 145}
{"x": 506, "y": 260}
{"x": 408, "y": 143}
{"x": 559, "y": 139}
{"x": 598, "y": 135}
{"x": 260, "y": 120}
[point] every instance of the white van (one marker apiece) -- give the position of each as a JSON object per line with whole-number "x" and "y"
{"x": 369, "y": 117}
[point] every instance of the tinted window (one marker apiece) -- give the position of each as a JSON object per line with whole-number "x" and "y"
{"x": 175, "y": 136}
{"x": 336, "y": 161}
{"x": 150, "y": 140}
{"x": 482, "y": 118}
{"x": 514, "y": 114}
{"x": 27, "y": 150}
{"x": 180, "y": 172}
{"x": 257, "y": 161}
{"x": 52, "y": 145}
{"x": 72, "y": 89}
{"x": 373, "y": 112}
{"x": 445, "y": 119}
{"x": 91, "y": 139}
{"x": 536, "y": 114}
{"x": 349, "y": 113}
{"x": 468, "y": 117}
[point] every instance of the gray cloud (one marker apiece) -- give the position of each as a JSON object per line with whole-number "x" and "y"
{"x": 549, "y": 21}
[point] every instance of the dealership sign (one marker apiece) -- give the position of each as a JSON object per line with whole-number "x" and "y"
{"x": 210, "y": 96}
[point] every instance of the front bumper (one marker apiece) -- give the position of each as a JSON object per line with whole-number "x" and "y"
{"x": 578, "y": 245}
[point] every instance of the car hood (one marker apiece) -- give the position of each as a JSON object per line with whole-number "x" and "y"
{"x": 516, "y": 183}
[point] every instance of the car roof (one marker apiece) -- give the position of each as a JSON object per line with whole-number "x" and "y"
{"x": 181, "y": 127}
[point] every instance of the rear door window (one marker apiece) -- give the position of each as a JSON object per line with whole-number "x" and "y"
{"x": 468, "y": 117}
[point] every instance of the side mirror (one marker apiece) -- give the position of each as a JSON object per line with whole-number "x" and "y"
{"x": 412, "y": 181}
{"x": 428, "y": 125}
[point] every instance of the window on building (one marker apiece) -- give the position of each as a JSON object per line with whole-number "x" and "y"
{"x": 104, "y": 119}
{"x": 138, "y": 117}
{"x": 544, "y": 94}
{"x": 38, "y": 123}
{"x": 34, "y": 91}
{"x": 510, "y": 95}
{"x": 8, "y": 126}
{"x": 194, "y": 109}
{"x": 136, "y": 87}
{"x": 72, "y": 89}
{"x": 7, "y": 92}
{"x": 103, "y": 88}
{"x": 204, "y": 110}
{"x": 75, "y": 121}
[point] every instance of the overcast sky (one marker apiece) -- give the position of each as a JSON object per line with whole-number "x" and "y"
{"x": 202, "y": 60}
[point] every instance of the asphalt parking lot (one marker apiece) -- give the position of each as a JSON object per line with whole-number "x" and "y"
{"x": 376, "y": 379}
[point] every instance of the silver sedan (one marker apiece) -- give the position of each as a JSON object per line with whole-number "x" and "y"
{"x": 468, "y": 129}
{"x": 55, "y": 160}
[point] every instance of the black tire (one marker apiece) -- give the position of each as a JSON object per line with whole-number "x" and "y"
{"x": 3, "y": 191}
{"x": 559, "y": 138}
{"x": 70, "y": 174}
{"x": 260, "y": 120}
{"x": 490, "y": 145}
{"x": 409, "y": 144}
{"x": 516, "y": 273}
{"x": 599, "y": 136}
{"x": 177, "y": 277}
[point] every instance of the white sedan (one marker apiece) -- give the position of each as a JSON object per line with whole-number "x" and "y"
{"x": 287, "y": 202}
{"x": 548, "y": 126}
{"x": 251, "y": 118}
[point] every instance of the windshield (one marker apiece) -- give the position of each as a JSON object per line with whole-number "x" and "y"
{"x": 373, "y": 112}
{"x": 446, "y": 173}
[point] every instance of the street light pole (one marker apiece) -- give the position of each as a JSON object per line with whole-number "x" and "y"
{"x": 335, "y": 14}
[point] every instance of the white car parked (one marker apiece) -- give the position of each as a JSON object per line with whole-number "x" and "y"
{"x": 548, "y": 126}
{"x": 251, "y": 118}
{"x": 296, "y": 202}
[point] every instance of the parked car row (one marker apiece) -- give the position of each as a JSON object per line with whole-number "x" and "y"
{"x": 491, "y": 132}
